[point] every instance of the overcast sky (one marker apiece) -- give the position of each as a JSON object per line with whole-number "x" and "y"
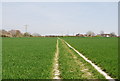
{"x": 61, "y": 17}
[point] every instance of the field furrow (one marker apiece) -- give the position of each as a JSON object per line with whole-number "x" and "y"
{"x": 52, "y": 58}
{"x": 56, "y": 72}
{"x": 90, "y": 62}
{"x": 100, "y": 50}
{"x": 72, "y": 66}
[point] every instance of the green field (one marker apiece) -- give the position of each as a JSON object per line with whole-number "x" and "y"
{"x": 72, "y": 66}
{"x": 28, "y": 58}
{"x": 101, "y": 51}
{"x": 33, "y": 58}
{"x": 0, "y": 58}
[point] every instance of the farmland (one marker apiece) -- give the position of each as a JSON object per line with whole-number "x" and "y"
{"x": 72, "y": 66}
{"x": 101, "y": 51}
{"x": 28, "y": 58}
{"x": 33, "y": 57}
{"x": 0, "y": 58}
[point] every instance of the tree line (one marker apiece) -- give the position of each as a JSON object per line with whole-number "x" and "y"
{"x": 17, "y": 33}
{"x": 101, "y": 34}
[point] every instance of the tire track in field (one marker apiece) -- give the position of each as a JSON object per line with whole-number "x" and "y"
{"x": 83, "y": 68}
{"x": 56, "y": 72}
{"x": 90, "y": 62}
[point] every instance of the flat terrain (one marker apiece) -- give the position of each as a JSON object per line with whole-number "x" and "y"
{"x": 34, "y": 58}
{"x": 0, "y": 58}
{"x": 102, "y": 51}
{"x": 28, "y": 58}
{"x": 72, "y": 66}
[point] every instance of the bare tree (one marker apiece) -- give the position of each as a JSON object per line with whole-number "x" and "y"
{"x": 18, "y": 33}
{"x": 4, "y": 33}
{"x": 0, "y": 33}
{"x": 15, "y": 33}
{"x": 27, "y": 34}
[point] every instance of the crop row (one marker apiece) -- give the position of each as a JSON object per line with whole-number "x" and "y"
{"x": 101, "y": 51}
{"x": 72, "y": 66}
{"x": 33, "y": 58}
{"x": 28, "y": 58}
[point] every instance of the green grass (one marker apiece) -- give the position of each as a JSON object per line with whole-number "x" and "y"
{"x": 71, "y": 65}
{"x": 33, "y": 58}
{"x": 102, "y": 51}
{"x": 28, "y": 58}
{"x": 0, "y": 58}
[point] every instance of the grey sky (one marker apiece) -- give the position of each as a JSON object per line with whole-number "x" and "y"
{"x": 61, "y": 17}
{"x": 60, "y": 0}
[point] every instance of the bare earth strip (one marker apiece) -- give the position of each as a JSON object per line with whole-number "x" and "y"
{"x": 83, "y": 68}
{"x": 95, "y": 66}
{"x": 56, "y": 72}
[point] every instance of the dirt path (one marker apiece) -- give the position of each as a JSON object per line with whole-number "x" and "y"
{"x": 86, "y": 72}
{"x": 83, "y": 68}
{"x": 56, "y": 72}
{"x": 90, "y": 62}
